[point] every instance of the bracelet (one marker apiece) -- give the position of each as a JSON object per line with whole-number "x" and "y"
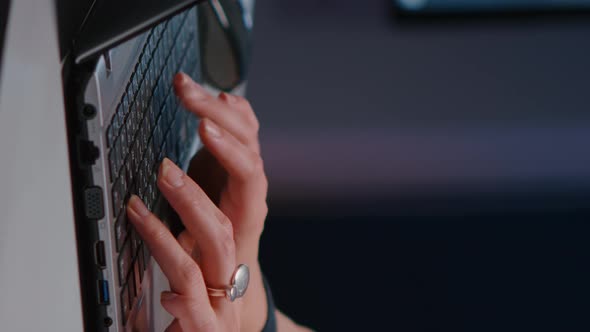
{"x": 271, "y": 319}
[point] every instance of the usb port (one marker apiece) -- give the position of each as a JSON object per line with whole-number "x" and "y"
{"x": 101, "y": 259}
{"x": 103, "y": 292}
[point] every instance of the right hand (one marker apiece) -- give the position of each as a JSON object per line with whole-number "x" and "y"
{"x": 229, "y": 168}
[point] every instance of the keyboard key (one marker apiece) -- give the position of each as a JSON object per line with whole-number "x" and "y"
{"x": 133, "y": 240}
{"x": 148, "y": 124}
{"x": 124, "y": 143}
{"x": 116, "y": 196}
{"x": 152, "y": 111}
{"x": 124, "y": 261}
{"x": 123, "y": 184}
{"x": 136, "y": 273}
{"x": 125, "y": 305}
{"x": 134, "y": 189}
{"x": 120, "y": 115}
{"x": 110, "y": 136}
{"x": 140, "y": 259}
{"x": 112, "y": 165}
{"x": 163, "y": 152}
{"x": 149, "y": 47}
{"x": 129, "y": 130}
{"x": 118, "y": 155}
{"x": 131, "y": 286}
{"x": 133, "y": 158}
{"x": 125, "y": 104}
{"x": 146, "y": 257}
{"x": 129, "y": 172}
{"x": 121, "y": 230}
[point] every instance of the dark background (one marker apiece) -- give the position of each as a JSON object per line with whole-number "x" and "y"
{"x": 426, "y": 174}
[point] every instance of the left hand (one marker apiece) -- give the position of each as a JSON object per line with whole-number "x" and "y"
{"x": 188, "y": 300}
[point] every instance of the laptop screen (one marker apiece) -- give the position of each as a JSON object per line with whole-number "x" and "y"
{"x": 111, "y": 22}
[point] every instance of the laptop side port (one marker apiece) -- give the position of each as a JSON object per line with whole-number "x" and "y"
{"x": 103, "y": 292}
{"x": 101, "y": 259}
{"x": 93, "y": 203}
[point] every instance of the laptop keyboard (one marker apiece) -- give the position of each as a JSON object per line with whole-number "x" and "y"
{"x": 148, "y": 125}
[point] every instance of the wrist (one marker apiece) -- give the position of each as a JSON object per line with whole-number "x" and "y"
{"x": 254, "y": 304}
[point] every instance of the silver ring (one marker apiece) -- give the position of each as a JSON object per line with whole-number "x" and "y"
{"x": 238, "y": 285}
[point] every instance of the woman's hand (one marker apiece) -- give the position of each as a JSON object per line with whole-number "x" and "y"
{"x": 188, "y": 300}
{"x": 220, "y": 234}
{"x": 230, "y": 170}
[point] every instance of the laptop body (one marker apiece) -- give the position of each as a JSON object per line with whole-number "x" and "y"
{"x": 123, "y": 119}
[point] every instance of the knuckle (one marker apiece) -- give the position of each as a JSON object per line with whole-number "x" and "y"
{"x": 254, "y": 168}
{"x": 248, "y": 111}
{"x": 258, "y": 166}
{"x": 253, "y": 172}
{"x": 226, "y": 244}
{"x": 254, "y": 122}
{"x": 243, "y": 102}
{"x": 264, "y": 182}
{"x": 190, "y": 272}
{"x": 225, "y": 222}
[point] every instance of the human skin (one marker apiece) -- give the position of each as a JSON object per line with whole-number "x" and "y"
{"x": 222, "y": 205}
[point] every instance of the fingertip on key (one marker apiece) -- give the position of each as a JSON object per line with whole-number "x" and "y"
{"x": 181, "y": 79}
{"x": 136, "y": 206}
{"x": 171, "y": 174}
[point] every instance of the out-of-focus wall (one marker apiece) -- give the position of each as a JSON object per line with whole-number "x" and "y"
{"x": 425, "y": 175}
{"x": 355, "y": 102}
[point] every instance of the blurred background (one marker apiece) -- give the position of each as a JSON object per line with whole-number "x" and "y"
{"x": 429, "y": 169}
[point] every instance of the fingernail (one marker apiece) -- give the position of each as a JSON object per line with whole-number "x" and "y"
{"x": 212, "y": 129}
{"x": 137, "y": 206}
{"x": 229, "y": 98}
{"x": 183, "y": 78}
{"x": 167, "y": 296}
{"x": 172, "y": 174}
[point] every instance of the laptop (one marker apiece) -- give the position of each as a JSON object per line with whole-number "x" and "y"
{"x": 123, "y": 119}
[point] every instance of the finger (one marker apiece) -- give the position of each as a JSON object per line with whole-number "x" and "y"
{"x": 240, "y": 162}
{"x": 245, "y": 111}
{"x": 187, "y": 312}
{"x": 246, "y": 173}
{"x": 204, "y": 222}
{"x": 198, "y": 101}
{"x": 183, "y": 273}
